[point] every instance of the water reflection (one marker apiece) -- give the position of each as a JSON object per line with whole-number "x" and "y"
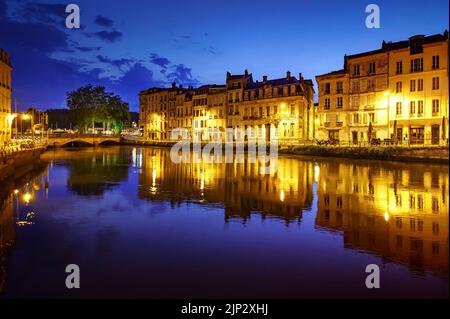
{"x": 395, "y": 211}
{"x": 398, "y": 211}
{"x": 92, "y": 171}
{"x": 16, "y": 210}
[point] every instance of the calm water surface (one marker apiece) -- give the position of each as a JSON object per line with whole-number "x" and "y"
{"x": 140, "y": 226}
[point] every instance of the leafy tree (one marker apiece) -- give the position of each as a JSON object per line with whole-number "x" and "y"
{"x": 91, "y": 105}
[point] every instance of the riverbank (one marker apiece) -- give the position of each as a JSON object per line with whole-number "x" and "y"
{"x": 439, "y": 155}
{"x": 22, "y": 161}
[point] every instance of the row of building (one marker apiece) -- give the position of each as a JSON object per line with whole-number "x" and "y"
{"x": 5, "y": 97}
{"x": 285, "y": 103}
{"x": 398, "y": 92}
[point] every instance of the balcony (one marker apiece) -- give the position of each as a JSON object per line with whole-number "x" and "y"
{"x": 339, "y": 124}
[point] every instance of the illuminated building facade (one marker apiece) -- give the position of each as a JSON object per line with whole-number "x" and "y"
{"x": 285, "y": 104}
{"x": 5, "y": 98}
{"x": 397, "y": 92}
{"x": 398, "y": 212}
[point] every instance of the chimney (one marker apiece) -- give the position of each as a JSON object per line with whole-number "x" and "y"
{"x": 228, "y": 74}
{"x": 246, "y": 72}
{"x": 180, "y": 86}
{"x": 264, "y": 78}
{"x": 174, "y": 85}
{"x": 288, "y": 75}
{"x": 300, "y": 77}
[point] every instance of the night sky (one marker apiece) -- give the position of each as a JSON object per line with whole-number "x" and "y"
{"x": 131, "y": 45}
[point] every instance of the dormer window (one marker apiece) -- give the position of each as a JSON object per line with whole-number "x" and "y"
{"x": 416, "y": 44}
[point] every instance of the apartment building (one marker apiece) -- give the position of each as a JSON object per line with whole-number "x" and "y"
{"x": 5, "y": 98}
{"x": 285, "y": 104}
{"x": 398, "y": 92}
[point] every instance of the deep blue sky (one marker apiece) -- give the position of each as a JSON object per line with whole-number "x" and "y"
{"x": 132, "y": 45}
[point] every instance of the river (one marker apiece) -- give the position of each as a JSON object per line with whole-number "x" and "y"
{"x": 140, "y": 226}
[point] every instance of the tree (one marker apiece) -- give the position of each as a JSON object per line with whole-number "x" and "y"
{"x": 91, "y": 105}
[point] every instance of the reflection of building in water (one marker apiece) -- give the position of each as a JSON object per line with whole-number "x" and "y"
{"x": 239, "y": 186}
{"x": 398, "y": 212}
{"x": 7, "y": 231}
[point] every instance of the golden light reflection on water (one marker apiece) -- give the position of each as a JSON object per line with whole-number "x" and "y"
{"x": 398, "y": 211}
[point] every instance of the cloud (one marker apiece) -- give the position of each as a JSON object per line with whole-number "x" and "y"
{"x": 158, "y": 60}
{"x": 103, "y": 21}
{"x": 54, "y": 14}
{"x": 87, "y": 49}
{"x": 182, "y": 75}
{"x": 107, "y": 36}
{"x": 115, "y": 62}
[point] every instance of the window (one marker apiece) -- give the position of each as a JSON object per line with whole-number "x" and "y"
{"x": 398, "y": 108}
{"x": 339, "y": 87}
{"x": 327, "y": 88}
{"x": 339, "y": 102}
{"x": 268, "y": 111}
{"x": 435, "y": 108}
{"x": 372, "y": 68}
{"x": 275, "y": 109}
{"x": 412, "y": 86}
{"x": 356, "y": 118}
{"x": 356, "y": 70}
{"x": 370, "y": 84}
{"x": 435, "y": 62}
{"x": 420, "y": 85}
{"x": 416, "y": 46}
{"x": 417, "y": 65}
{"x": 436, "y": 83}
{"x": 292, "y": 129}
{"x": 327, "y": 104}
{"x": 398, "y": 87}
{"x": 399, "y": 67}
{"x": 412, "y": 108}
{"x": 420, "y": 108}
{"x": 372, "y": 117}
{"x": 355, "y": 86}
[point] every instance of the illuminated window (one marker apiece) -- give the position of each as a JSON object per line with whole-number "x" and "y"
{"x": 398, "y": 87}
{"x": 435, "y": 62}
{"x": 436, "y": 83}
{"x": 417, "y": 65}
{"x": 435, "y": 107}
{"x": 435, "y": 204}
{"x": 339, "y": 102}
{"x": 420, "y": 85}
{"x": 398, "y": 108}
{"x": 399, "y": 67}
{"x": 420, "y": 108}
{"x": 412, "y": 108}
{"x": 412, "y": 86}
{"x": 339, "y": 87}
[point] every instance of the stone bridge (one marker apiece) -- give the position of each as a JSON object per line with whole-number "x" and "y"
{"x": 94, "y": 139}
